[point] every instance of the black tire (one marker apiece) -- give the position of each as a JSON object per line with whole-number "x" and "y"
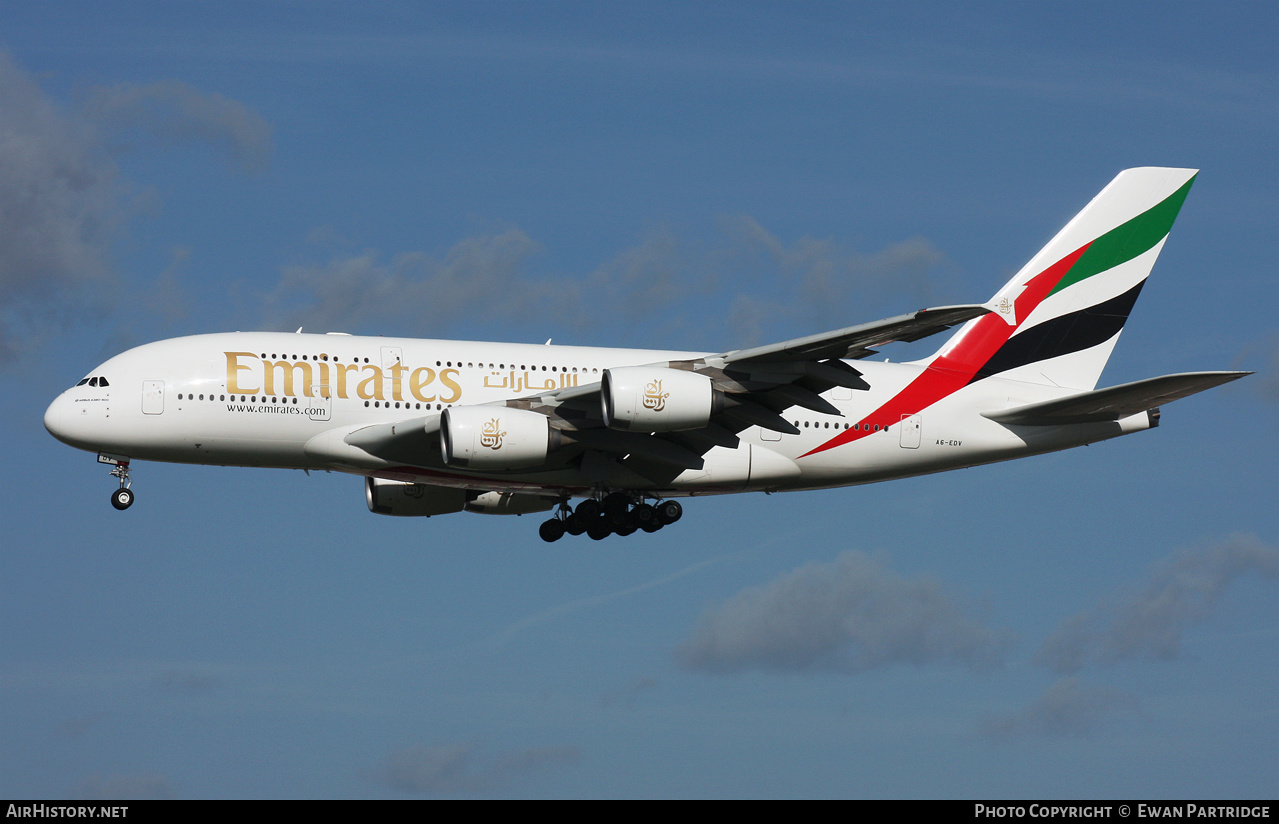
{"x": 552, "y": 530}
{"x": 643, "y": 515}
{"x": 122, "y": 499}
{"x": 574, "y": 525}
{"x": 587, "y": 510}
{"x": 617, "y": 503}
{"x": 668, "y": 512}
{"x": 599, "y": 529}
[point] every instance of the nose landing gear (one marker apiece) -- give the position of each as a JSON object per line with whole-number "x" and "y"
{"x": 122, "y": 498}
{"x": 617, "y": 514}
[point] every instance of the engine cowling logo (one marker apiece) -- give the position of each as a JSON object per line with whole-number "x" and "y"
{"x": 491, "y": 434}
{"x": 654, "y": 397}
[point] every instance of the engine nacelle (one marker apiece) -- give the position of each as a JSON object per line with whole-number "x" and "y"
{"x": 495, "y": 437}
{"x": 656, "y": 399}
{"x": 394, "y": 498}
{"x": 508, "y": 503}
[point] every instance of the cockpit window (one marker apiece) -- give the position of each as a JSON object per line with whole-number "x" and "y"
{"x": 82, "y": 382}
{"x": 93, "y": 381}
{"x": 103, "y": 382}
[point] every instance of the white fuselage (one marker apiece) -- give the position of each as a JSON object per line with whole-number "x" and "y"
{"x": 285, "y": 400}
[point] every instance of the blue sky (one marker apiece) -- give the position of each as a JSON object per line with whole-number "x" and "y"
{"x": 1100, "y": 622}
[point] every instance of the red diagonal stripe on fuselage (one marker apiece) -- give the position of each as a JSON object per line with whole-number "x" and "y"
{"x": 954, "y": 370}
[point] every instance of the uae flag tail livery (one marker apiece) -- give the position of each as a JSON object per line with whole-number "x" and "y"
{"x": 1057, "y": 321}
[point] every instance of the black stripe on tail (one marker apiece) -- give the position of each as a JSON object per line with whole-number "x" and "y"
{"x": 1073, "y": 332}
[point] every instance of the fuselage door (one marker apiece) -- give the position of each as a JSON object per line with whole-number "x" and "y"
{"x": 392, "y": 356}
{"x": 152, "y": 397}
{"x": 319, "y": 406}
{"x": 910, "y": 431}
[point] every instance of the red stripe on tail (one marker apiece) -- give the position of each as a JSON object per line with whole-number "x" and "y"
{"x": 955, "y": 369}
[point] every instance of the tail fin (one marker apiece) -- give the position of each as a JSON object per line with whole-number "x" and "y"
{"x": 1057, "y": 321}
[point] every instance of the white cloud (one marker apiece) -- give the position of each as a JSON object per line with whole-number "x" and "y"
{"x": 451, "y": 769}
{"x": 629, "y": 694}
{"x": 63, "y": 203}
{"x": 413, "y": 291}
{"x": 821, "y": 278}
{"x": 174, "y": 113}
{"x": 59, "y": 209}
{"x": 661, "y": 281}
{"x": 1178, "y": 594}
{"x": 186, "y": 682}
{"x": 140, "y": 787}
{"x": 1066, "y": 709}
{"x": 426, "y": 769}
{"x": 849, "y": 615}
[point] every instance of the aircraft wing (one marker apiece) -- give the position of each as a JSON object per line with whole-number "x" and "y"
{"x": 774, "y": 377}
{"x": 1115, "y": 402}
{"x": 757, "y": 385}
{"x": 855, "y": 342}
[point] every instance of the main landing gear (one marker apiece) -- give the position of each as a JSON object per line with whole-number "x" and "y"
{"x": 616, "y": 514}
{"x": 122, "y": 498}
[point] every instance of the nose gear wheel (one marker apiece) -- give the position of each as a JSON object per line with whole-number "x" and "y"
{"x": 122, "y": 498}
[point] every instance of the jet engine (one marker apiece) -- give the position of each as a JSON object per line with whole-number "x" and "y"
{"x": 656, "y": 399}
{"x": 395, "y": 498}
{"x": 496, "y": 437}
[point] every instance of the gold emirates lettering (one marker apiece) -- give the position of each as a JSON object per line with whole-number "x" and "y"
{"x": 247, "y": 374}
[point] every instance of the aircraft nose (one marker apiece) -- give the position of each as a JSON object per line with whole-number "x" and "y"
{"x": 55, "y": 418}
{"x": 68, "y": 424}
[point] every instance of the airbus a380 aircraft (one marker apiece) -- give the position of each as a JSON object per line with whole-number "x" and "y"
{"x": 438, "y": 426}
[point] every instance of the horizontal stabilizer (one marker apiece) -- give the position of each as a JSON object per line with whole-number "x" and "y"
{"x": 1115, "y": 402}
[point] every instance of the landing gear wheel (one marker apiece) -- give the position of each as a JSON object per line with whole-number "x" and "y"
{"x": 551, "y": 530}
{"x": 122, "y": 498}
{"x": 574, "y": 525}
{"x": 668, "y": 512}
{"x": 599, "y": 529}
{"x": 616, "y": 503}
{"x": 643, "y": 515}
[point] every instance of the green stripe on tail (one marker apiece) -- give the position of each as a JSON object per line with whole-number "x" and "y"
{"x": 1128, "y": 240}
